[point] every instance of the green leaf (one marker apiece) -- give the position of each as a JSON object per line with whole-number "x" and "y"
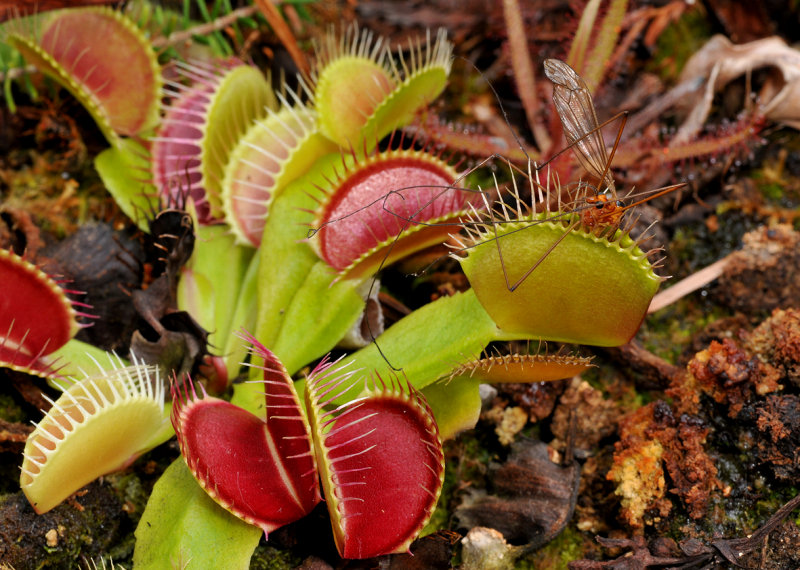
{"x": 456, "y": 404}
{"x": 283, "y": 251}
{"x": 214, "y": 289}
{"x": 319, "y": 315}
{"x": 233, "y": 348}
{"x": 124, "y": 169}
{"x": 182, "y": 527}
{"x": 76, "y": 356}
{"x": 427, "y": 344}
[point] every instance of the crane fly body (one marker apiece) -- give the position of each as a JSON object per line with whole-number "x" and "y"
{"x": 582, "y": 130}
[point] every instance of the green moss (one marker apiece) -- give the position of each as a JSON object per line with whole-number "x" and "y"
{"x": 466, "y": 461}
{"x": 441, "y": 515}
{"x": 668, "y": 332}
{"x": 9, "y": 411}
{"x": 771, "y": 191}
{"x": 678, "y": 42}
{"x": 556, "y": 554}
{"x": 695, "y": 246}
{"x": 131, "y": 492}
{"x": 268, "y": 557}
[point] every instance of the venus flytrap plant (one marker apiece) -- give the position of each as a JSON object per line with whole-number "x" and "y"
{"x": 499, "y": 368}
{"x": 57, "y": 42}
{"x": 353, "y": 60}
{"x": 373, "y": 442}
{"x": 381, "y": 461}
{"x": 99, "y": 424}
{"x": 530, "y": 272}
{"x": 275, "y": 150}
{"x": 206, "y": 119}
{"x": 272, "y": 153}
{"x": 36, "y": 317}
{"x": 360, "y": 227}
{"x": 122, "y": 99}
{"x": 612, "y": 267}
{"x": 261, "y": 469}
{"x": 379, "y": 457}
{"x": 362, "y": 94}
{"x": 309, "y": 310}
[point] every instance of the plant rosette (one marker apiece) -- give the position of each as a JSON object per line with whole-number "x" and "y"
{"x": 379, "y": 457}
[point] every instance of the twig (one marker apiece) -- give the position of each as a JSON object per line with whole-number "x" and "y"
{"x": 220, "y": 23}
{"x": 688, "y": 285}
{"x": 523, "y": 72}
{"x": 17, "y": 72}
{"x": 651, "y": 370}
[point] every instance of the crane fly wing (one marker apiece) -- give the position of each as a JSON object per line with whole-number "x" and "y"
{"x": 576, "y": 110}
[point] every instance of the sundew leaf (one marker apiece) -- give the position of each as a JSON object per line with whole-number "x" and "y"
{"x": 580, "y": 42}
{"x": 182, "y": 527}
{"x": 606, "y": 40}
{"x": 507, "y": 368}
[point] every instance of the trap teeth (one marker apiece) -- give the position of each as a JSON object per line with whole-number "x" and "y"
{"x": 574, "y": 287}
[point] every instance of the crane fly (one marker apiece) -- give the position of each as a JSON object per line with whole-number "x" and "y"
{"x": 582, "y": 130}
{"x": 600, "y": 211}
{"x": 603, "y": 211}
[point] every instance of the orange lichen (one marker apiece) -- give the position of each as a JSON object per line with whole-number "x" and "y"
{"x": 778, "y": 421}
{"x": 777, "y": 341}
{"x": 511, "y": 423}
{"x": 638, "y": 471}
{"x": 726, "y": 373}
{"x": 657, "y": 449}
